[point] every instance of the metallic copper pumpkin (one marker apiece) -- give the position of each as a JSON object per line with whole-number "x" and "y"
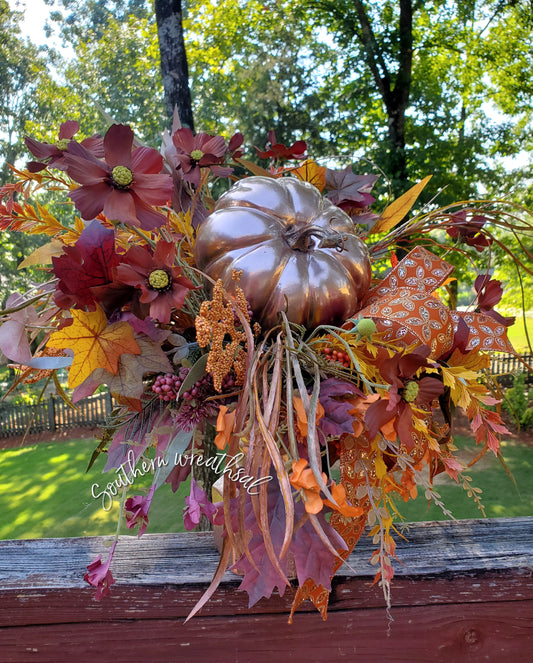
{"x": 298, "y": 252}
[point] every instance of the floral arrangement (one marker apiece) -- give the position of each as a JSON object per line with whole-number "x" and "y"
{"x": 262, "y": 327}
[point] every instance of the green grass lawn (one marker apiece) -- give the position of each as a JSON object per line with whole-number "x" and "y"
{"x": 501, "y": 497}
{"x": 517, "y": 334}
{"x": 45, "y": 492}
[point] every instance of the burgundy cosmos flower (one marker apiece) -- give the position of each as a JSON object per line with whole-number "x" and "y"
{"x": 399, "y": 371}
{"x": 194, "y": 152}
{"x": 297, "y": 150}
{"x": 161, "y": 284}
{"x": 469, "y": 230}
{"x": 54, "y": 153}
{"x": 489, "y": 292}
{"x": 125, "y": 186}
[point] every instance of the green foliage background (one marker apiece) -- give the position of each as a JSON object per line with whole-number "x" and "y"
{"x": 297, "y": 67}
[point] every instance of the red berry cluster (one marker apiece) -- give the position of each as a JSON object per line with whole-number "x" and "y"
{"x": 167, "y": 386}
{"x": 337, "y": 356}
{"x": 204, "y": 387}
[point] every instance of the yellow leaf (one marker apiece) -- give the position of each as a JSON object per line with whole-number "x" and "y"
{"x": 379, "y": 466}
{"x": 95, "y": 344}
{"x": 182, "y": 223}
{"x": 311, "y": 172}
{"x": 397, "y": 210}
{"x": 43, "y": 255}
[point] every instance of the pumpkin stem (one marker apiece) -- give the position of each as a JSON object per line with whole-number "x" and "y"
{"x": 304, "y": 238}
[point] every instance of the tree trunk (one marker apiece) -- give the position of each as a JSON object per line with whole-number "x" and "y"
{"x": 394, "y": 93}
{"x": 174, "y": 68}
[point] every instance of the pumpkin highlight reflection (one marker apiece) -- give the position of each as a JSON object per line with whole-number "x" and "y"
{"x": 296, "y": 252}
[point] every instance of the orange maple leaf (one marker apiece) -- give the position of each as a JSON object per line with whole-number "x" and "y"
{"x": 311, "y": 172}
{"x": 95, "y": 344}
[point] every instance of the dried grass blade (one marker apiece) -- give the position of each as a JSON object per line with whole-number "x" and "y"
{"x": 283, "y": 479}
{"x": 312, "y": 442}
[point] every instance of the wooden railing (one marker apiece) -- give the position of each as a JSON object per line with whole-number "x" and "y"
{"x": 54, "y": 414}
{"x": 463, "y": 592}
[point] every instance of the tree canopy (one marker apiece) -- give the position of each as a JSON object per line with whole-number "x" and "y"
{"x": 407, "y": 87}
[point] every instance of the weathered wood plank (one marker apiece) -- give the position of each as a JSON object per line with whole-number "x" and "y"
{"x": 431, "y": 548}
{"x": 441, "y": 634}
{"x": 464, "y": 591}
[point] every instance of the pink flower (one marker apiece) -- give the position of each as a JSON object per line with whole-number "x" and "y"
{"x": 54, "y": 153}
{"x": 194, "y": 152}
{"x": 161, "y": 284}
{"x": 125, "y": 186}
{"x": 137, "y": 510}
{"x": 98, "y": 575}
{"x": 196, "y": 505}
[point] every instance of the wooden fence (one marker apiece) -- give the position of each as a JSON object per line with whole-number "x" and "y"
{"x": 54, "y": 414}
{"x": 463, "y": 592}
{"x": 505, "y": 366}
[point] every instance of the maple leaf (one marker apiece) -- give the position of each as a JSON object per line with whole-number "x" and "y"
{"x": 311, "y": 557}
{"x": 311, "y": 172}
{"x": 95, "y": 343}
{"x": 87, "y": 264}
{"x": 128, "y": 380}
{"x": 345, "y": 186}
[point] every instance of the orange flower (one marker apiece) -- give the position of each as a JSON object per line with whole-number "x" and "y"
{"x": 305, "y": 480}
{"x": 342, "y": 506}
{"x": 301, "y": 423}
{"x": 225, "y": 423}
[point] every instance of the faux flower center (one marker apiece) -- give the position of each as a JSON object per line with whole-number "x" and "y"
{"x": 196, "y": 155}
{"x": 62, "y": 144}
{"x": 159, "y": 279}
{"x": 122, "y": 176}
{"x": 410, "y": 392}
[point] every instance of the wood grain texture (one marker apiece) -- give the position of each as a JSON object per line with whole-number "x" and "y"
{"x": 463, "y": 592}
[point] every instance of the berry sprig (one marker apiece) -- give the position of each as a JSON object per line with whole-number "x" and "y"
{"x": 337, "y": 356}
{"x": 167, "y": 386}
{"x": 204, "y": 388}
